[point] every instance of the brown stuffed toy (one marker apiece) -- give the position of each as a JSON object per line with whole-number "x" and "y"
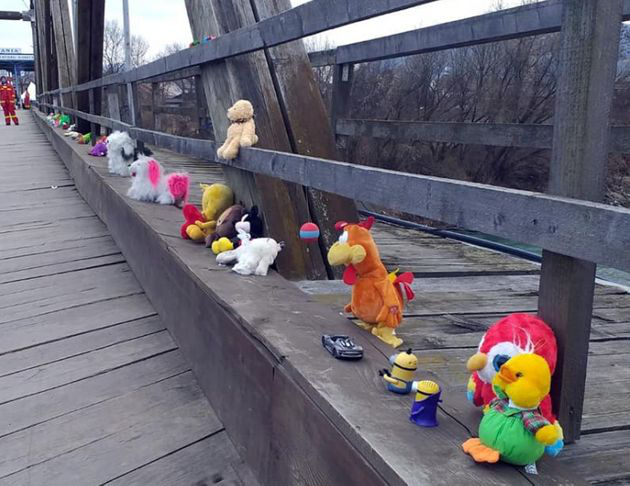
{"x": 241, "y": 132}
{"x": 225, "y": 224}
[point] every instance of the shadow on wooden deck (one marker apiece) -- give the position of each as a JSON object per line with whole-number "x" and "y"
{"x": 298, "y": 416}
{"x": 93, "y": 389}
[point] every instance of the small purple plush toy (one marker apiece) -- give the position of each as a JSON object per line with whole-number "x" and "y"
{"x": 99, "y": 150}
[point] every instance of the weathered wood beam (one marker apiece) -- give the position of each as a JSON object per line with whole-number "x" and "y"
{"x": 284, "y": 206}
{"x": 34, "y": 36}
{"x": 308, "y": 19}
{"x": 542, "y": 220}
{"x": 10, "y": 15}
{"x": 536, "y": 18}
{"x": 343, "y": 75}
{"x": 66, "y": 60}
{"x": 323, "y": 58}
{"x": 90, "y": 30}
{"x": 44, "y": 58}
{"x": 188, "y": 72}
{"x": 496, "y": 134}
{"x": 587, "y": 66}
{"x": 187, "y": 110}
{"x": 307, "y": 121}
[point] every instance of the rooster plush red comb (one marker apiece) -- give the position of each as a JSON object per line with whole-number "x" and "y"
{"x": 367, "y": 223}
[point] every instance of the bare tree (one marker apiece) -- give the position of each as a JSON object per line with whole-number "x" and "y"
{"x": 505, "y": 82}
{"x": 113, "y": 49}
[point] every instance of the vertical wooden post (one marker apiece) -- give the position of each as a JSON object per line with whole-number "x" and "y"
{"x": 46, "y": 42}
{"x": 113, "y": 104}
{"x": 66, "y": 61}
{"x": 51, "y": 52}
{"x": 90, "y": 28}
{"x": 343, "y": 75}
{"x": 153, "y": 119}
{"x": 201, "y": 110}
{"x": 37, "y": 65}
{"x": 588, "y": 61}
{"x": 95, "y": 129}
{"x": 137, "y": 111}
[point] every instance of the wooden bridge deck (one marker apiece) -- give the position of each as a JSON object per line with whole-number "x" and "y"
{"x": 460, "y": 290}
{"x": 93, "y": 389}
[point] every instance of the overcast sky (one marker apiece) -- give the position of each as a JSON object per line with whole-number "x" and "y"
{"x": 163, "y": 22}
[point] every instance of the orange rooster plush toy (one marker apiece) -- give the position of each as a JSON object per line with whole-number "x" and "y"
{"x": 377, "y": 299}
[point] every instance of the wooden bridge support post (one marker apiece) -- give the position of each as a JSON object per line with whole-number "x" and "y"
{"x": 290, "y": 117}
{"x": 90, "y": 29}
{"x": 137, "y": 111}
{"x": 154, "y": 102}
{"x": 47, "y": 59}
{"x": 343, "y": 75}
{"x": 66, "y": 60}
{"x": 588, "y": 61}
{"x": 37, "y": 66}
{"x": 113, "y": 103}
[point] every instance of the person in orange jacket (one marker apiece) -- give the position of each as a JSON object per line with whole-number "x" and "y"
{"x": 27, "y": 101}
{"x": 7, "y": 100}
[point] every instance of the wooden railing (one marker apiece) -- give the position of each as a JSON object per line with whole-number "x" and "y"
{"x": 574, "y": 233}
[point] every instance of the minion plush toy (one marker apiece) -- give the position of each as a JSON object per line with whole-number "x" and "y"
{"x": 400, "y": 377}
{"x": 424, "y": 408}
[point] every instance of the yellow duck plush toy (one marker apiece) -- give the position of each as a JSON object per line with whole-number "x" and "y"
{"x": 513, "y": 429}
{"x": 215, "y": 199}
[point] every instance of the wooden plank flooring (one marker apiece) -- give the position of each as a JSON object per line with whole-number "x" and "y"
{"x": 93, "y": 389}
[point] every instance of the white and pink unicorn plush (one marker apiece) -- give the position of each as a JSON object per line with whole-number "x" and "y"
{"x": 150, "y": 183}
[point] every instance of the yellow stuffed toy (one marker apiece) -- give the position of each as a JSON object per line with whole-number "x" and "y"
{"x": 513, "y": 429}
{"x": 198, "y": 225}
{"x": 241, "y": 132}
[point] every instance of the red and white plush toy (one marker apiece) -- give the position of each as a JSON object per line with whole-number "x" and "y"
{"x": 149, "y": 183}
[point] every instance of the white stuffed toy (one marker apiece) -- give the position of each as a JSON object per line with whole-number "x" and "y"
{"x": 149, "y": 183}
{"x": 252, "y": 256}
{"x": 120, "y": 153}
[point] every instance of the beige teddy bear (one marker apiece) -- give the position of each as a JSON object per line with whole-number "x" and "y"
{"x": 242, "y": 131}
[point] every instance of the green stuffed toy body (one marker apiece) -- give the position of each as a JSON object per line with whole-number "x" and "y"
{"x": 512, "y": 429}
{"x": 512, "y": 432}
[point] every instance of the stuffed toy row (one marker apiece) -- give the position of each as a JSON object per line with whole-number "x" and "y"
{"x": 224, "y": 226}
